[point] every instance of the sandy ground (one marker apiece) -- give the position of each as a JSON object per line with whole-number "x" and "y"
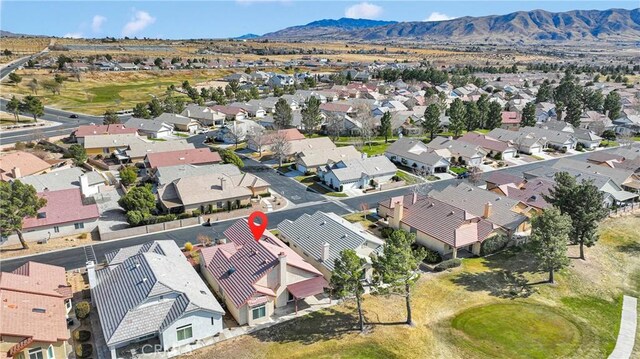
{"x": 15, "y": 250}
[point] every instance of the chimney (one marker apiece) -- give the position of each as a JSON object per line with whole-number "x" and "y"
{"x": 414, "y": 198}
{"x": 325, "y": 252}
{"x": 84, "y": 185}
{"x": 91, "y": 274}
{"x": 398, "y": 212}
{"x": 282, "y": 269}
{"x": 16, "y": 172}
{"x": 222, "y": 184}
{"x": 188, "y": 113}
{"x": 487, "y": 210}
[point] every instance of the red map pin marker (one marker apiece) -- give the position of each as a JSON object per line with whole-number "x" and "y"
{"x": 257, "y": 228}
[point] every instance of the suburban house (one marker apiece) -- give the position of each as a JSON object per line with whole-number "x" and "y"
{"x": 309, "y": 160}
{"x": 438, "y": 225}
{"x": 152, "y": 128}
{"x": 552, "y": 138}
{"x": 214, "y": 191}
{"x": 587, "y": 138}
{"x": 139, "y": 149}
{"x": 194, "y": 156}
{"x": 66, "y": 213}
{"x": 150, "y": 291}
{"x": 492, "y": 147}
{"x": 254, "y": 278}
{"x": 164, "y": 175}
{"x": 315, "y": 144}
{"x": 252, "y": 109}
{"x": 18, "y": 164}
{"x": 530, "y": 193}
{"x": 503, "y": 212}
{"x": 511, "y": 120}
{"x": 179, "y": 122}
{"x": 525, "y": 143}
{"x": 360, "y": 173}
{"x": 229, "y": 112}
{"x": 36, "y": 299}
{"x": 456, "y": 150}
{"x": 319, "y": 238}
{"x": 107, "y": 144}
{"x": 625, "y": 178}
{"x": 67, "y": 178}
{"x": 204, "y": 115}
{"x": 414, "y": 153}
{"x": 89, "y": 130}
{"x": 237, "y": 131}
{"x": 263, "y": 142}
{"x": 338, "y": 108}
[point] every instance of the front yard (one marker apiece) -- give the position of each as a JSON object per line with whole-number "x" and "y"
{"x": 482, "y": 309}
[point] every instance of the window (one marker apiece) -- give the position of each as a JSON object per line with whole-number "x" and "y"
{"x": 36, "y": 353}
{"x": 79, "y": 225}
{"x": 50, "y": 353}
{"x": 56, "y": 229}
{"x": 290, "y": 297}
{"x": 213, "y": 321}
{"x": 259, "y": 312}
{"x": 185, "y": 332}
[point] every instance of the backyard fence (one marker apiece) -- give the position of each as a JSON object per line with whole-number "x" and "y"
{"x": 150, "y": 228}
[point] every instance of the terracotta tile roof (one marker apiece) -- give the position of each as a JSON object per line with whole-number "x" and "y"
{"x": 485, "y": 142}
{"x": 238, "y": 265}
{"x": 510, "y": 117}
{"x": 501, "y": 177}
{"x": 113, "y": 129}
{"x": 62, "y": 206}
{"x": 31, "y": 303}
{"x": 26, "y": 162}
{"x": 196, "y": 156}
{"x": 228, "y": 110}
{"x": 336, "y": 107}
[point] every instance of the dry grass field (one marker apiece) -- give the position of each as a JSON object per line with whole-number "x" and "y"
{"x": 21, "y": 47}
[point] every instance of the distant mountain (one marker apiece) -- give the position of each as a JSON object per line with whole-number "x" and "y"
{"x": 246, "y": 37}
{"x": 4, "y": 33}
{"x": 521, "y": 26}
{"x": 325, "y": 28}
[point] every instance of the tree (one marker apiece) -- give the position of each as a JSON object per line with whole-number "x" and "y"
{"x": 397, "y": 269}
{"x": 14, "y": 78}
{"x": 138, "y": 203}
{"x": 79, "y": 154}
{"x": 612, "y": 105}
{"x": 583, "y": 203}
{"x": 333, "y": 125}
{"x": 257, "y": 137}
{"x": 483, "y": 108}
{"x": 367, "y": 123}
{"x": 494, "y": 117}
{"x": 431, "y": 122}
{"x": 346, "y": 280}
{"x": 385, "y": 126}
{"x": 592, "y": 100}
{"x": 58, "y": 78}
{"x": 155, "y": 107}
{"x": 33, "y": 85}
{"x": 545, "y": 92}
{"x": 549, "y": 239}
{"x": 13, "y": 106}
{"x": 140, "y": 110}
{"x": 574, "y": 111}
{"x": 457, "y": 114}
{"x": 528, "y": 115}
{"x": 229, "y": 156}
{"x": 110, "y": 117}
{"x": 311, "y": 116}
{"x": 19, "y": 201}
{"x": 280, "y": 148}
{"x": 282, "y": 116}
{"x": 34, "y": 106}
{"x": 472, "y": 116}
{"x": 52, "y": 86}
{"x": 567, "y": 90}
{"x": 157, "y": 62}
{"x": 128, "y": 175}
{"x": 173, "y": 104}
{"x": 236, "y": 133}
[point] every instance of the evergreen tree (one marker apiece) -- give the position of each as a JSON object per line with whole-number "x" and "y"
{"x": 612, "y": 105}
{"x": 574, "y": 111}
{"x": 545, "y": 92}
{"x": 155, "y": 108}
{"x": 385, "y": 126}
{"x": 140, "y": 110}
{"x": 431, "y": 122}
{"x": 282, "y": 116}
{"x": 472, "y": 116}
{"x": 457, "y": 114}
{"x": 528, "y": 115}
{"x": 311, "y": 116}
{"x": 346, "y": 280}
{"x": 19, "y": 201}
{"x": 494, "y": 116}
{"x": 549, "y": 239}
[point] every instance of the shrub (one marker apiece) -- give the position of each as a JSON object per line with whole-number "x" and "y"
{"x": 82, "y": 310}
{"x": 20, "y": 146}
{"x": 608, "y": 135}
{"x": 432, "y": 257}
{"x": 449, "y": 263}
{"x": 83, "y": 236}
{"x": 196, "y": 212}
{"x": 82, "y": 335}
{"x": 188, "y": 247}
{"x": 128, "y": 175}
{"x": 84, "y": 350}
{"x": 386, "y": 232}
{"x": 579, "y": 146}
{"x": 493, "y": 244}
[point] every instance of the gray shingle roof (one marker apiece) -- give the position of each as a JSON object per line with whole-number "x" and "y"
{"x": 136, "y": 274}
{"x": 355, "y": 168}
{"x": 414, "y": 150}
{"x": 170, "y": 173}
{"x": 61, "y": 179}
{"x": 146, "y": 125}
{"x": 311, "y": 232}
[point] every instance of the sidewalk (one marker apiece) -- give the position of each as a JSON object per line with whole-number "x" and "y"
{"x": 627, "y": 333}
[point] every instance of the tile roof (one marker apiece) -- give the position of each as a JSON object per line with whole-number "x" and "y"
{"x": 106, "y": 141}
{"x": 501, "y": 177}
{"x": 320, "y": 157}
{"x": 619, "y": 176}
{"x": 141, "y": 148}
{"x": 414, "y": 150}
{"x": 175, "y": 119}
{"x": 454, "y": 147}
{"x": 485, "y": 142}
{"x": 33, "y": 302}
{"x": 26, "y": 162}
{"x": 112, "y": 129}
{"x": 531, "y": 193}
{"x": 148, "y": 125}
{"x": 336, "y": 107}
{"x": 239, "y": 264}
{"x": 194, "y": 156}
{"x": 510, "y": 117}
{"x": 317, "y": 143}
{"x": 64, "y": 206}
{"x": 172, "y": 173}
{"x": 311, "y": 232}
{"x": 155, "y": 270}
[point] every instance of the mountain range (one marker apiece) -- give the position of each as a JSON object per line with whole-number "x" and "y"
{"x": 522, "y": 26}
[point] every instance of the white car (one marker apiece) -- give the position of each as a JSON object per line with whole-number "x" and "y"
{"x": 203, "y": 130}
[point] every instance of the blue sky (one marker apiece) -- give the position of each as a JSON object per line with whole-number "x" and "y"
{"x": 214, "y": 19}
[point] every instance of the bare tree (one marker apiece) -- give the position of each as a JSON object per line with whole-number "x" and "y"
{"x": 367, "y": 123}
{"x": 236, "y": 134}
{"x": 333, "y": 125}
{"x": 280, "y": 148}
{"x": 256, "y": 136}
{"x": 421, "y": 188}
{"x": 475, "y": 175}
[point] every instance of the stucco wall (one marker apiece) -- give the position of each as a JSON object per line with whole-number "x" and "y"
{"x": 202, "y": 326}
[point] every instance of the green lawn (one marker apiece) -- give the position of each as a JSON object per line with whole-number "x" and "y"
{"x": 517, "y": 330}
{"x": 407, "y": 178}
{"x": 458, "y": 170}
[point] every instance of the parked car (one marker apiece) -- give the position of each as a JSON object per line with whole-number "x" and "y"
{"x": 204, "y": 130}
{"x": 73, "y": 115}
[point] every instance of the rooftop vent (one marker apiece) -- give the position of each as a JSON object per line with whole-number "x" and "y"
{"x": 39, "y": 310}
{"x": 42, "y": 215}
{"x": 231, "y": 270}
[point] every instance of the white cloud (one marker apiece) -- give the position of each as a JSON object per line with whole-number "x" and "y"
{"x": 73, "y": 35}
{"x": 438, "y": 16}
{"x": 363, "y": 10}
{"x": 97, "y": 22}
{"x": 139, "y": 22}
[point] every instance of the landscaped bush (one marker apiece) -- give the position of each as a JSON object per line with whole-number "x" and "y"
{"x": 196, "y": 212}
{"x": 386, "y": 232}
{"x": 493, "y": 244}
{"x": 82, "y": 310}
{"x": 188, "y": 247}
{"x": 449, "y": 263}
{"x": 82, "y": 335}
{"x": 84, "y": 350}
{"x": 579, "y": 146}
{"x": 432, "y": 257}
